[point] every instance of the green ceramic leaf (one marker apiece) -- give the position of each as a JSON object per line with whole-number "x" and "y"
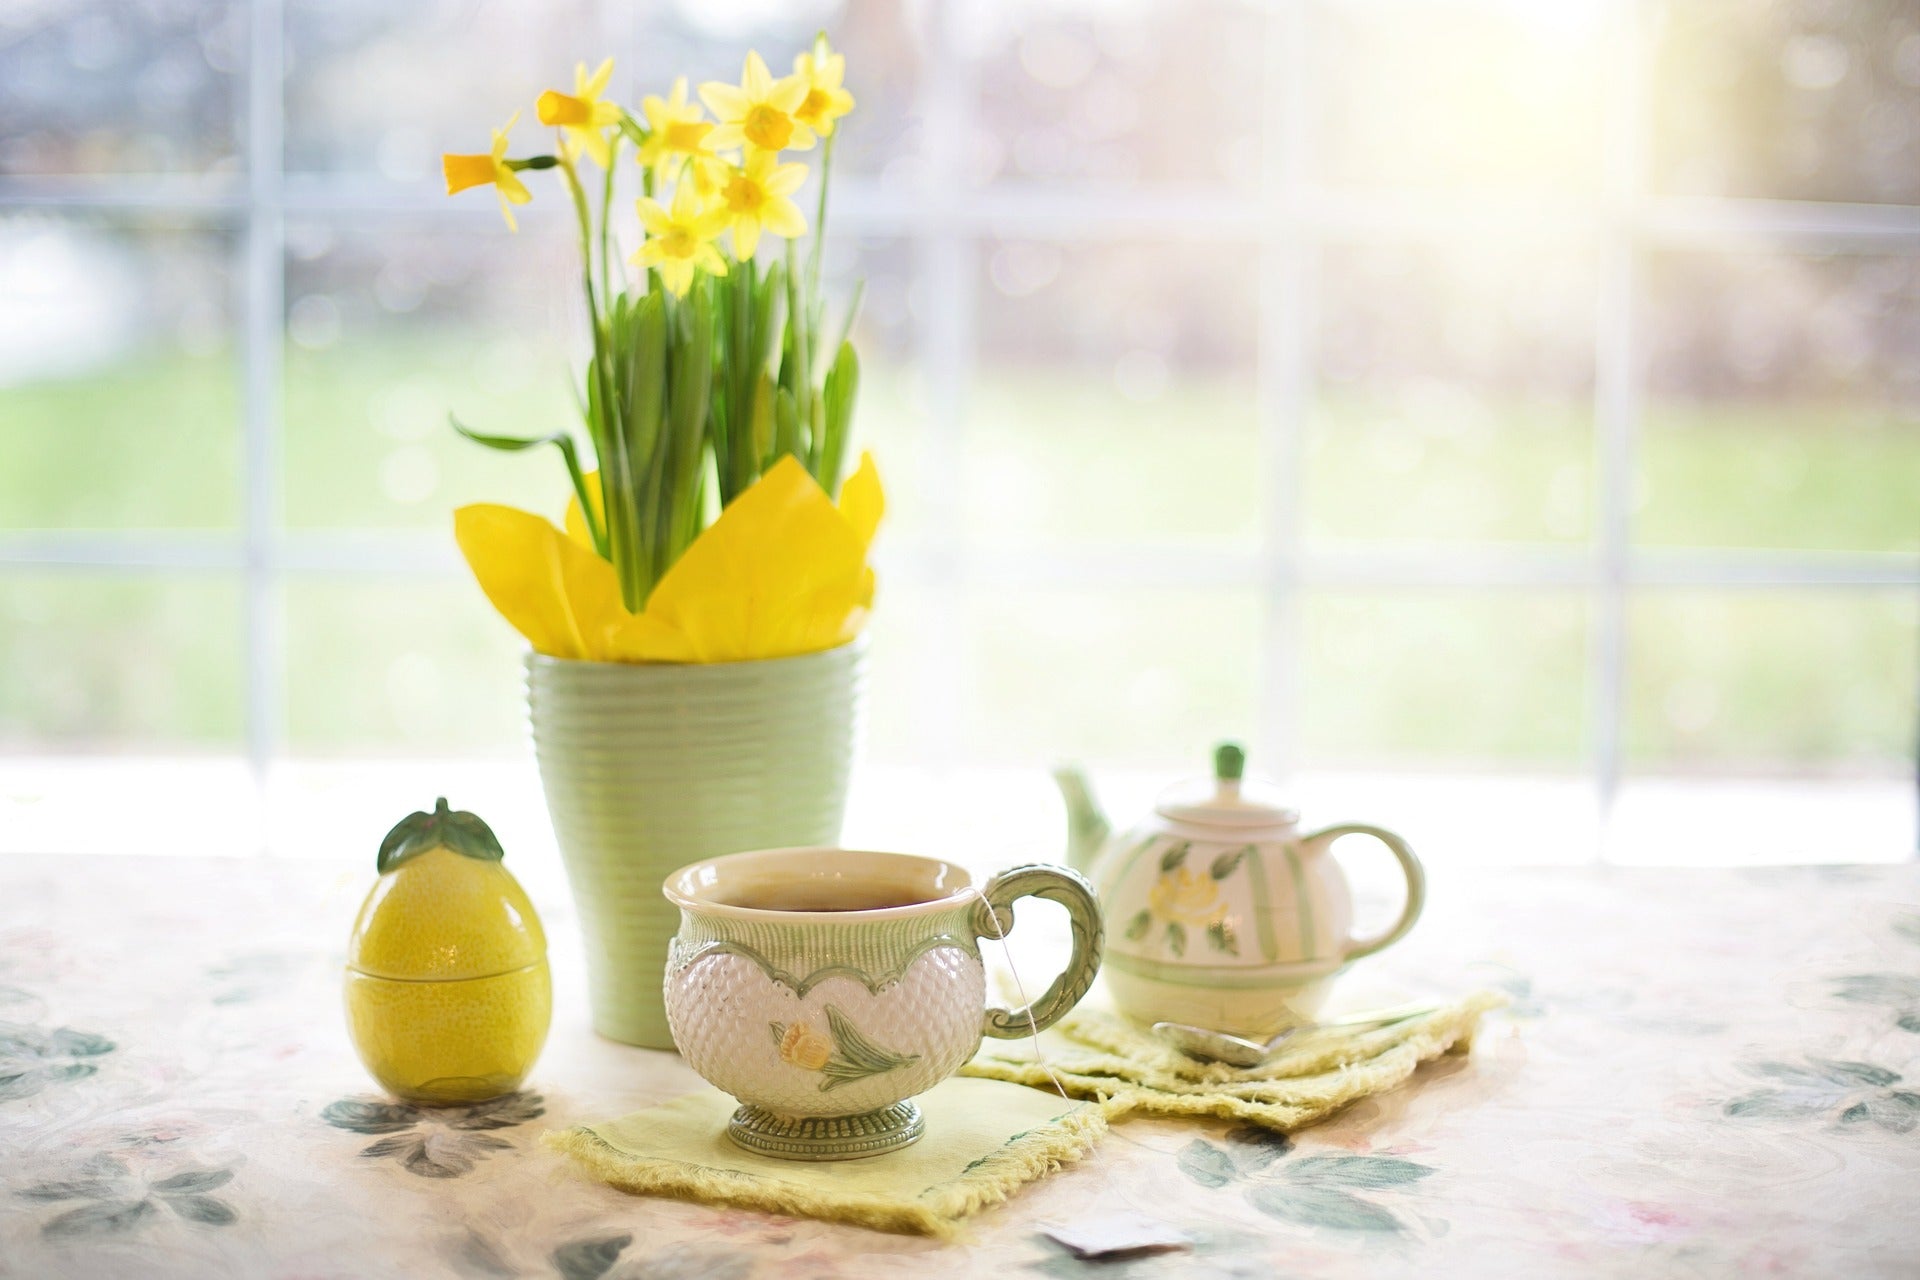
{"x": 1325, "y": 1207}
{"x": 1138, "y": 926}
{"x": 1174, "y": 856}
{"x": 417, "y": 833}
{"x": 1207, "y": 1164}
{"x": 1356, "y": 1171}
{"x": 1176, "y": 938}
{"x": 857, "y": 1052}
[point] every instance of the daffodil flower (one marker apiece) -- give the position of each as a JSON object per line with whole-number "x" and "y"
{"x": 675, "y": 131}
{"x": 492, "y": 169}
{"x": 754, "y": 198}
{"x": 582, "y": 115}
{"x": 821, "y": 70}
{"x": 681, "y": 238}
{"x": 758, "y": 112}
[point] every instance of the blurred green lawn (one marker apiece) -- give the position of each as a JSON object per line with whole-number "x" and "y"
{"x": 1720, "y": 680}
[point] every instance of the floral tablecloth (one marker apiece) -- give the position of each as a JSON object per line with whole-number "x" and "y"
{"x": 1700, "y": 1074}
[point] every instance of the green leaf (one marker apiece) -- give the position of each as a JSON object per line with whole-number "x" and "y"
{"x": 97, "y": 1219}
{"x": 1206, "y": 1164}
{"x": 1174, "y": 857}
{"x": 561, "y": 440}
{"x": 371, "y": 1117}
{"x": 842, "y": 388}
{"x": 1138, "y": 926}
{"x": 1324, "y": 1207}
{"x": 194, "y": 1180}
{"x": 1227, "y": 863}
{"x": 857, "y": 1050}
{"x": 1356, "y": 1171}
{"x": 417, "y": 833}
{"x": 1777, "y": 1104}
{"x": 1854, "y": 1073}
{"x": 1220, "y": 934}
{"x": 1176, "y": 938}
{"x": 591, "y": 1258}
{"x": 206, "y": 1209}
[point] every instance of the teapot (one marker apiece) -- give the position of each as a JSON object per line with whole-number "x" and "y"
{"x": 1220, "y": 912}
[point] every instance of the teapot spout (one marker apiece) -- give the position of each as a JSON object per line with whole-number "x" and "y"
{"x": 1087, "y": 826}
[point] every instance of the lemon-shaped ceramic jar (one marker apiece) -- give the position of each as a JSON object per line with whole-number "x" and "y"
{"x": 448, "y": 994}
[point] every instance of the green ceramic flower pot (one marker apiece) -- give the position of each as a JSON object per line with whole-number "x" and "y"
{"x": 650, "y": 767}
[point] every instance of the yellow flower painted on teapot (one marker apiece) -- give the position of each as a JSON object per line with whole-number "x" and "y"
{"x": 1187, "y": 895}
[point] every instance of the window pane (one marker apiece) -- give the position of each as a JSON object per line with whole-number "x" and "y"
{"x": 1495, "y": 94}
{"x": 98, "y": 661}
{"x": 1118, "y": 94}
{"x": 391, "y": 328}
{"x": 1766, "y": 682}
{"x": 1784, "y": 406}
{"x": 1151, "y": 677}
{"x": 1455, "y": 394}
{"x": 357, "y": 101}
{"x": 1444, "y": 680}
{"x": 119, "y": 395}
{"x": 1115, "y": 399}
{"x": 88, "y": 86}
{"x": 400, "y": 666}
{"x": 1796, "y": 100}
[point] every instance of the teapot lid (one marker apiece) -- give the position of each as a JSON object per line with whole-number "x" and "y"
{"x": 1226, "y": 799}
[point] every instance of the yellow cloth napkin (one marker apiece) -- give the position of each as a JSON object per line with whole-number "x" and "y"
{"x": 1095, "y": 1053}
{"x": 782, "y": 571}
{"x": 984, "y": 1140}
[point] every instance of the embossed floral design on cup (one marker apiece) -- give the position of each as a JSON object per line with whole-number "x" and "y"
{"x": 825, "y": 988}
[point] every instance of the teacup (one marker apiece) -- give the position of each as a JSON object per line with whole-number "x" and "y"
{"x": 824, "y": 988}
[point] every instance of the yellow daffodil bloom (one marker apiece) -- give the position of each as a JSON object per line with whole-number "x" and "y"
{"x": 582, "y": 114}
{"x": 478, "y": 171}
{"x": 675, "y": 131}
{"x": 754, "y": 198}
{"x": 821, "y": 70}
{"x": 758, "y": 112}
{"x": 681, "y": 238}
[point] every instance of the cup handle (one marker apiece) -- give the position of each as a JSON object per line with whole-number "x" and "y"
{"x": 993, "y": 918}
{"x": 1416, "y": 884}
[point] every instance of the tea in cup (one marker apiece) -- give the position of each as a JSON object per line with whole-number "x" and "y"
{"x": 825, "y": 988}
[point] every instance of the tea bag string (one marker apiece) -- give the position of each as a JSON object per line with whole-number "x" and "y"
{"x": 1020, "y": 989}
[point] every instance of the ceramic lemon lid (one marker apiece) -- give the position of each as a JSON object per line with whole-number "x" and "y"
{"x": 444, "y": 907}
{"x": 1227, "y": 799}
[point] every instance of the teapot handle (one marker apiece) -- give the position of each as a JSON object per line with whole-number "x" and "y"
{"x": 1409, "y": 865}
{"x": 993, "y": 918}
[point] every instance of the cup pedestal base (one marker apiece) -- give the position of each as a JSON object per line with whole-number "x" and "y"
{"x": 870, "y": 1133}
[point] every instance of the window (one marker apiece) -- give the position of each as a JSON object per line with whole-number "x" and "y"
{"x": 1504, "y": 416}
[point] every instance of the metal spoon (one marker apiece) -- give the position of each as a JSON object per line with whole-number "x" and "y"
{"x": 1238, "y": 1051}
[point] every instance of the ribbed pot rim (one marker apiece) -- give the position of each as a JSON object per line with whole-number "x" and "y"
{"x": 854, "y": 648}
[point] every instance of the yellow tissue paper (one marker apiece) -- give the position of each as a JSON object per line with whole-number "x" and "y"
{"x": 783, "y": 571}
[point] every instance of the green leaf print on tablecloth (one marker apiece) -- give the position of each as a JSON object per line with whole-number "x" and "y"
{"x": 1323, "y": 1192}
{"x": 434, "y": 1142}
{"x": 32, "y": 1058}
{"x": 120, "y": 1201}
{"x": 1846, "y": 1093}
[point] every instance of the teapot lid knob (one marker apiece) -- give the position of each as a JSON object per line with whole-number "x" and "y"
{"x": 1229, "y": 761}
